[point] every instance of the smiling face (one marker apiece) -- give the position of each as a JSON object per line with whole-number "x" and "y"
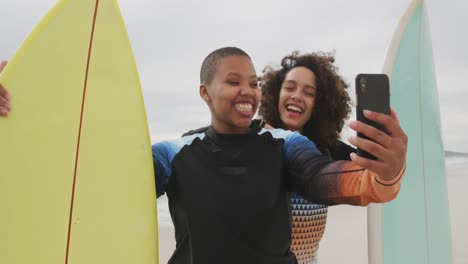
{"x": 232, "y": 95}
{"x": 297, "y": 98}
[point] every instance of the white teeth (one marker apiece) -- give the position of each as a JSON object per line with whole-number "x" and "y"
{"x": 244, "y": 107}
{"x": 294, "y": 108}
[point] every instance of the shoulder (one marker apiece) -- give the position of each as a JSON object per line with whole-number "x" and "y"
{"x": 294, "y": 142}
{"x": 279, "y": 133}
{"x": 287, "y": 135}
{"x": 172, "y": 147}
{"x": 196, "y": 131}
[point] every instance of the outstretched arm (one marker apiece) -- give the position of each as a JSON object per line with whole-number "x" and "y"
{"x": 323, "y": 181}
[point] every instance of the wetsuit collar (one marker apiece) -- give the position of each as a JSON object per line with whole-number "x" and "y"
{"x": 228, "y": 139}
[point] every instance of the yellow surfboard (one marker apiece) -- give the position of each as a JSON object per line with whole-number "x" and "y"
{"x": 76, "y": 176}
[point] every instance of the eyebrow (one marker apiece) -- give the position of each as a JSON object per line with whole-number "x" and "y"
{"x": 306, "y": 85}
{"x": 235, "y": 74}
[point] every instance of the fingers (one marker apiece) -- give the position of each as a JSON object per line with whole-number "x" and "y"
{"x": 390, "y": 149}
{"x": 3, "y": 65}
{"x": 396, "y": 143}
{"x": 5, "y": 104}
{"x": 3, "y": 112}
{"x": 4, "y": 93}
{"x": 4, "y": 101}
{"x": 388, "y": 121}
{"x": 378, "y": 136}
{"x": 379, "y": 151}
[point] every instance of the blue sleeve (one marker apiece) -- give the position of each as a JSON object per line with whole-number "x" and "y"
{"x": 296, "y": 144}
{"x": 162, "y": 166}
{"x": 304, "y": 164}
{"x": 163, "y": 155}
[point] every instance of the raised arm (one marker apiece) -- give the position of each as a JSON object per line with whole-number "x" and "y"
{"x": 327, "y": 182}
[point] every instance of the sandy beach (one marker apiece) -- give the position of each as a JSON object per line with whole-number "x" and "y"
{"x": 345, "y": 241}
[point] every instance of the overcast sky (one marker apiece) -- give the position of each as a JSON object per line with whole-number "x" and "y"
{"x": 170, "y": 38}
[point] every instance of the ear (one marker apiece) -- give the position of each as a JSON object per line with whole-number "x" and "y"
{"x": 204, "y": 93}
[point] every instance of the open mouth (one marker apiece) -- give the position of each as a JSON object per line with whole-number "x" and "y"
{"x": 244, "y": 108}
{"x": 294, "y": 109}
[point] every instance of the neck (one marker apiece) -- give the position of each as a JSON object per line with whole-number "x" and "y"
{"x": 295, "y": 129}
{"x": 225, "y": 129}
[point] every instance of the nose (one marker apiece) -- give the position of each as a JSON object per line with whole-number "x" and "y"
{"x": 296, "y": 95}
{"x": 246, "y": 90}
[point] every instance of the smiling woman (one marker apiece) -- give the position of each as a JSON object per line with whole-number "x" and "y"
{"x": 297, "y": 98}
{"x": 230, "y": 90}
{"x": 308, "y": 96}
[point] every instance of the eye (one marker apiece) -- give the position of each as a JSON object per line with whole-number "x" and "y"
{"x": 233, "y": 83}
{"x": 289, "y": 88}
{"x": 310, "y": 94}
{"x": 254, "y": 85}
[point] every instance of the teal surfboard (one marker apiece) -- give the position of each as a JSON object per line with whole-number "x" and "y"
{"x": 415, "y": 227}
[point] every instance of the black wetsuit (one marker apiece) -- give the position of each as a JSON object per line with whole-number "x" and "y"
{"x": 229, "y": 194}
{"x": 308, "y": 219}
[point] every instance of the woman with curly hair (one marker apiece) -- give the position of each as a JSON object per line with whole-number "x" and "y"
{"x": 307, "y": 95}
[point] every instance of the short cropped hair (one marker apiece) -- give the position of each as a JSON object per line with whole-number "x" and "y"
{"x": 210, "y": 63}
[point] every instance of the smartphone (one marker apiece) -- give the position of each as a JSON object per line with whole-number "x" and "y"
{"x": 372, "y": 93}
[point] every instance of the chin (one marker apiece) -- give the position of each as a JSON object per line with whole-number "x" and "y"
{"x": 243, "y": 123}
{"x": 291, "y": 126}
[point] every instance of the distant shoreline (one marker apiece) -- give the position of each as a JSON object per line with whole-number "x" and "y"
{"x": 450, "y": 154}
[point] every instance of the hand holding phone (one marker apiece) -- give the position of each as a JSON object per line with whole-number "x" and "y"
{"x": 389, "y": 146}
{"x": 373, "y": 93}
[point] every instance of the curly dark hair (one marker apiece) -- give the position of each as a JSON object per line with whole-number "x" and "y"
{"x": 332, "y": 103}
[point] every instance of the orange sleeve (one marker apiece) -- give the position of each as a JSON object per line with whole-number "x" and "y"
{"x": 351, "y": 184}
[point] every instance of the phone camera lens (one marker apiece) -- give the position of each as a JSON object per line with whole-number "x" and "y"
{"x": 363, "y": 85}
